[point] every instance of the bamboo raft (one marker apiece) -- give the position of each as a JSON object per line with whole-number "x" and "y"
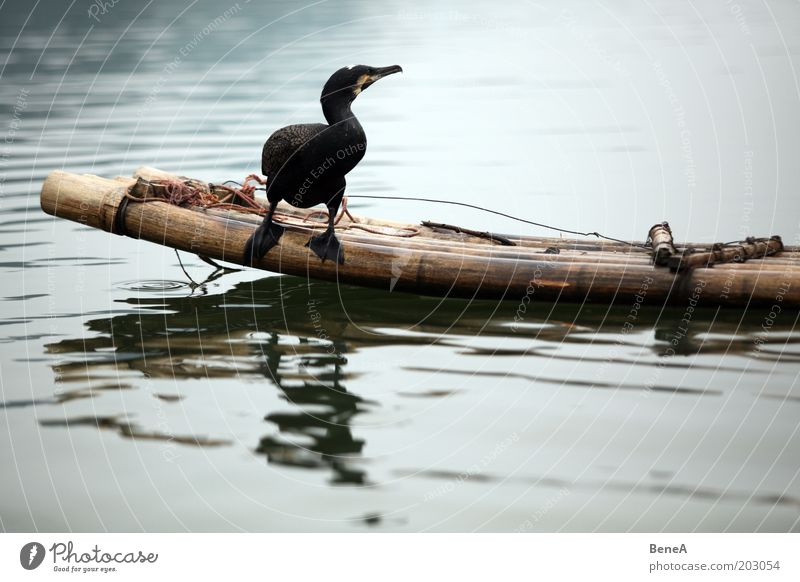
{"x": 440, "y": 259}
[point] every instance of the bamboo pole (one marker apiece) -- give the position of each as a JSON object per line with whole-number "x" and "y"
{"x": 426, "y": 269}
{"x": 453, "y": 245}
{"x": 744, "y": 251}
{"x": 456, "y": 245}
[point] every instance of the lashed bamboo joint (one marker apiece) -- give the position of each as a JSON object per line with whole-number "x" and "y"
{"x": 432, "y": 259}
{"x": 739, "y": 252}
{"x": 666, "y": 255}
{"x": 660, "y": 236}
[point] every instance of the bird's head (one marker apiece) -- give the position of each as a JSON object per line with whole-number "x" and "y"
{"x": 346, "y": 83}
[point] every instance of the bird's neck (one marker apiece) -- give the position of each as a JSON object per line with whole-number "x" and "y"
{"x": 338, "y": 113}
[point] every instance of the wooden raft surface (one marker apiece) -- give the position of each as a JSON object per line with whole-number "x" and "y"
{"x": 435, "y": 262}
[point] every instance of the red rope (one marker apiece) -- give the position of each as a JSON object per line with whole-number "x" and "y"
{"x": 242, "y": 199}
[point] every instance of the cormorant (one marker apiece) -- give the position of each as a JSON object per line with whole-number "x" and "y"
{"x": 306, "y": 164}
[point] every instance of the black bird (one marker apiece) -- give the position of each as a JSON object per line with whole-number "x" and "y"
{"x": 305, "y": 164}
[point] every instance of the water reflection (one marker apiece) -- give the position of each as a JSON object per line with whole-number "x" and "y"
{"x": 319, "y": 433}
{"x": 298, "y": 335}
{"x": 264, "y": 329}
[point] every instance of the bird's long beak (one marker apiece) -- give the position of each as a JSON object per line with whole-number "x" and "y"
{"x": 366, "y": 80}
{"x": 382, "y": 72}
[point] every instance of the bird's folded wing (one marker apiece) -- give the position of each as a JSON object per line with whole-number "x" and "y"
{"x": 287, "y": 143}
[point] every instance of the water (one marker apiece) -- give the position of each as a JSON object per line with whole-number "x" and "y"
{"x": 135, "y": 400}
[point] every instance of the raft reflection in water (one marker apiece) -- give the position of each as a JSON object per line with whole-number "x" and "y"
{"x": 298, "y": 335}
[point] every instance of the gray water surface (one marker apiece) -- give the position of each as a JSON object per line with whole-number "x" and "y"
{"x": 133, "y": 401}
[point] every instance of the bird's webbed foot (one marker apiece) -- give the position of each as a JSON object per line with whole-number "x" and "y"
{"x": 327, "y": 246}
{"x": 264, "y": 238}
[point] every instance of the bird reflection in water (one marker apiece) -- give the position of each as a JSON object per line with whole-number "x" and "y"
{"x": 260, "y": 329}
{"x": 322, "y": 438}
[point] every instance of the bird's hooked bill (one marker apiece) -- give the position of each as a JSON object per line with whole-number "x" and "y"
{"x": 381, "y": 72}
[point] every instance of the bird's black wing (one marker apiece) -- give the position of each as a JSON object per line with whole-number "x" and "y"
{"x": 284, "y": 143}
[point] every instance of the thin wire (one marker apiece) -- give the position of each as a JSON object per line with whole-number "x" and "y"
{"x": 180, "y": 262}
{"x": 498, "y": 213}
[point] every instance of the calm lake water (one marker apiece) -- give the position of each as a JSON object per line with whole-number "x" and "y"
{"x": 132, "y": 401}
